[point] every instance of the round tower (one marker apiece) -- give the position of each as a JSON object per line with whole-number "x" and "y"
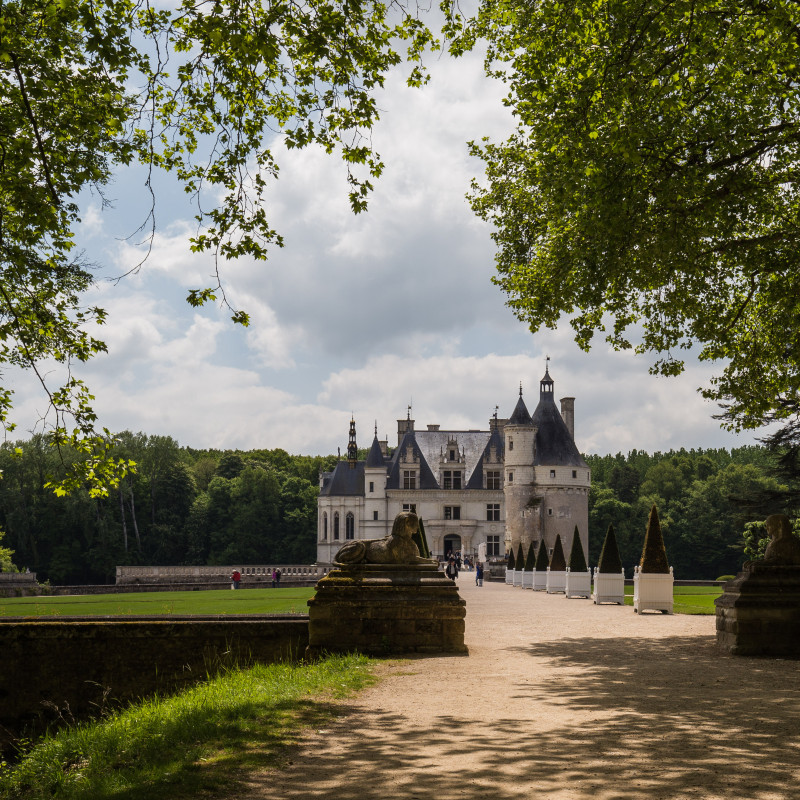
{"x": 522, "y": 513}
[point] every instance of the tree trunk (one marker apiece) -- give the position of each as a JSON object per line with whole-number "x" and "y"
{"x": 133, "y": 516}
{"x": 122, "y": 513}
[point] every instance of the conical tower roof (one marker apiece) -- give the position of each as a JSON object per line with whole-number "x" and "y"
{"x": 521, "y": 416}
{"x": 375, "y": 456}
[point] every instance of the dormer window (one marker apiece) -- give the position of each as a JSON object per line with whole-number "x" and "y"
{"x": 452, "y": 455}
{"x": 409, "y": 479}
{"x": 452, "y": 479}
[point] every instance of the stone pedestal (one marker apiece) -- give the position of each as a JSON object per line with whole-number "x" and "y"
{"x": 759, "y": 612}
{"x": 384, "y": 609}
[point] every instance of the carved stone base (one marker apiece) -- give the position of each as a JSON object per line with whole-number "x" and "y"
{"x": 759, "y": 612}
{"x": 386, "y": 609}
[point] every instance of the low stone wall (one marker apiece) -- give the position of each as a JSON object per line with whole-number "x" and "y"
{"x": 218, "y": 577}
{"x": 18, "y": 584}
{"x": 76, "y": 666}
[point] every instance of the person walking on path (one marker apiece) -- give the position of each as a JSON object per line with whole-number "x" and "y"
{"x": 479, "y": 573}
{"x": 451, "y": 570}
{"x": 278, "y": 578}
{"x": 236, "y": 576}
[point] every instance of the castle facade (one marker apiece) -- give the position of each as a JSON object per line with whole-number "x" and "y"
{"x": 481, "y": 492}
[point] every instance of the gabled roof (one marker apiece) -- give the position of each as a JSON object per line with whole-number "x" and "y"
{"x": 475, "y": 480}
{"x": 427, "y": 479}
{"x": 343, "y": 481}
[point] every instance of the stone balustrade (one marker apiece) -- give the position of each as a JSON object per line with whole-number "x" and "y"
{"x": 253, "y": 574}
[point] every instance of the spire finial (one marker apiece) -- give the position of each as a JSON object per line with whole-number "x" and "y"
{"x": 520, "y": 388}
{"x": 376, "y": 429}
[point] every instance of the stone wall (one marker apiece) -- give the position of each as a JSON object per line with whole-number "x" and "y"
{"x": 77, "y": 666}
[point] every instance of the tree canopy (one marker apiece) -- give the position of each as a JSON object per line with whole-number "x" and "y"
{"x": 198, "y": 89}
{"x": 650, "y": 189}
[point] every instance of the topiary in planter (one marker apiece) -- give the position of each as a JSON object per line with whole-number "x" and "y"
{"x": 610, "y": 560}
{"x": 421, "y": 541}
{"x": 520, "y": 561}
{"x": 577, "y": 560}
{"x": 511, "y": 561}
{"x": 558, "y": 563}
{"x": 542, "y": 561}
{"x": 530, "y": 559}
{"x": 654, "y": 554}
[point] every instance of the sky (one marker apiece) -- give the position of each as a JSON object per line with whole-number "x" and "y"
{"x": 357, "y": 315}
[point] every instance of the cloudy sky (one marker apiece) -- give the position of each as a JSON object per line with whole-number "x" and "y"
{"x": 361, "y": 315}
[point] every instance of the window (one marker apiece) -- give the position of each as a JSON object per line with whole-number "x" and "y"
{"x": 372, "y": 485}
{"x": 493, "y": 479}
{"x": 549, "y": 512}
{"x": 336, "y": 525}
{"x": 452, "y": 479}
{"x": 452, "y": 512}
{"x": 412, "y": 507}
{"x": 492, "y": 545}
{"x": 349, "y": 526}
{"x": 452, "y": 455}
{"x": 511, "y": 477}
{"x": 493, "y": 512}
{"x": 574, "y": 473}
{"x": 374, "y": 515}
{"x": 552, "y": 473}
{"x": 325, "y": 525}
{"x": 409, "y": 479}
{"x": 510, "y": 443}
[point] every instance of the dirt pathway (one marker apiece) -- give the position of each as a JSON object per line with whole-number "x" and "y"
{"x": 560, "y": 700}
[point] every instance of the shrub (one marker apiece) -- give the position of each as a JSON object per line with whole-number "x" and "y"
{"x": 530, "y": 559}
{"x": 421, "y": 541}
{"x": 542, "y": 561}
{"x": 726, "y": 577}
{"x": 511, "y": 561}
{"x": 654, "y": 554}
{"x": 558, "y": 563}
{"x": 577, "y": 560}
{"x": 520, "y": 557}
{"x": 610, "y": 560}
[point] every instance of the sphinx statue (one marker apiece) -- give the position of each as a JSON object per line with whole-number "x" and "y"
{"x": 784, "y": 547}
{"x": 397, "y": 547}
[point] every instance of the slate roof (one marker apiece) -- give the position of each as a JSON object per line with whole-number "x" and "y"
{"x": 375, "y": 456}
{"x": 554, "y": 445}
{"x": 343, "y": 481}
{"x": 520, "y": 415}
{"x": 475, "y": 480}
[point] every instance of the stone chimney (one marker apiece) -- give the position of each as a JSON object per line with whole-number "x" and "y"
{"x": 568, "y": 414}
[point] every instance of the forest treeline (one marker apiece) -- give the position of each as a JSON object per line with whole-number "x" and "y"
{"x": 205, "y": 507}
{"x": 182, "y": 506}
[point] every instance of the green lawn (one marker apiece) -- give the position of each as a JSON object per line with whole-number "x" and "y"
{"x": 687, "y": 599}
{"x": 217, "y": 601}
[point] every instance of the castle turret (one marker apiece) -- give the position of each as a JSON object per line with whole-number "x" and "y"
{"x": 519, "y": 440}
{"x": 376, "y": 517}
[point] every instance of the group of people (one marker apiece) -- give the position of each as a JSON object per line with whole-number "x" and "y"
{"x": 236, "y": 578}
{"x": 454, "y": 567}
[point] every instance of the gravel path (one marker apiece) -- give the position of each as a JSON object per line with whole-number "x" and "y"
{"x": 560, "y": 700}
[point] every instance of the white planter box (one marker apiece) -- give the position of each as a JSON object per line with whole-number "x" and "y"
{"x": 539, "y": 580}
{"x": 609, "y": 587}
{"x": 556, "y": 581}
{"x": 578, "y": 584}
{"x": 509, "y": 576}
{"x": 517, "y": 577}
{"x": 527, "y": 580}
{"x": 652, "y": 591}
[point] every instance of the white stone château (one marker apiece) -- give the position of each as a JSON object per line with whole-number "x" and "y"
{"x": 521, "y": 480}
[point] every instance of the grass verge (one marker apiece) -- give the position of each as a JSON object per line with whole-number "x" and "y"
{"x": 215, "y": 601}
{"x": 687, "y": 599}
{"x": 198, "y": 743}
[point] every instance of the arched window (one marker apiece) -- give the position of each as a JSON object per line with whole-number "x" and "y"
{"x": 325, "y": 525}
{"x": 336, "y": 525}
{"x": 349, "y": 526}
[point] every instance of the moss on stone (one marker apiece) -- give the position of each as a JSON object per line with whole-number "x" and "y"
{"x": 558, "y": 563}
{"x": 577, "y": 559}
{"x": 610, "y": 561}
{"x": 530, "y": 559}
{"x": 542, "y": 561}
{"x": 654, "y": 554}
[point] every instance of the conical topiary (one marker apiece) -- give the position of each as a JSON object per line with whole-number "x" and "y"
{"x": 530, "y": 559}
{"x": 421, "y": 541}
{"x": 577, "y": 560}
{"x": 520, "y": 561}
{"x": 654, "y": 554}
{"x": 511, "y": 564}
{"x": 542, "y": 561}
{"x": 609, "y": 555}
{"x": 558, "y": 563}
